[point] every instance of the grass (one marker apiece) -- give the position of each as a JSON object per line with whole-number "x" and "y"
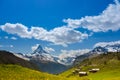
{"x": 109, "y": 65}
{"x": 15, "y": 72}
{"x": 109, "y": 70}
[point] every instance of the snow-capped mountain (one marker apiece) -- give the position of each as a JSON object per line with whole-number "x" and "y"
{"x": 100, "y": 48}
{"x": 113, "y": 48}
{"x": 41, "y": 55}
{"x": 39, "y": 50}
{"x": 109, "y": 46}
{"x": 66, "y": 61}
{"x": 20, "y": 55}
{"x": 45, "y": 61}
{"x": 68, "y": 57}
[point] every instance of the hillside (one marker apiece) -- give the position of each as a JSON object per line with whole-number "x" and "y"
{"x": 15, "y": 72}
{"x": 107, "y": 63}
{"x": 50, "y": 67}
{"x": 9, "y": 58}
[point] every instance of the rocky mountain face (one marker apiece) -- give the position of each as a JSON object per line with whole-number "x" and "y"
{"x": 41, "y": 55}
{"x": 53, "y": 64}
{"x": 45, "y": 61}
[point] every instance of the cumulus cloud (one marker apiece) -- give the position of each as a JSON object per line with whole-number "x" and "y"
{"x": 68, "y": 56}
{"x": 104, "y": 44}
{"x": 49, "y": 50}
{"x": 64, "y": 36}
{"x": 72, "y": 53}
{"x": 13, "y": 38}
{"x": 60, "y": 36}
{"x": 109, "y": 19}
{"x": 17, "y": 29}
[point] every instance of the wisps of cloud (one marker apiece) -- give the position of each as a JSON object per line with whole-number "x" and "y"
{"x": 6, "y": 37}
{"x": 49, "y": 49}
{"x": 68, "y": 56}
{"x": 105, "y": 44}
{"x": 13, "y": 38}
{"x": 6, "y": 46}
{"x": 72, "y": 53}
{"x": 59, "y": 36}
{"x": 109, "y": 19}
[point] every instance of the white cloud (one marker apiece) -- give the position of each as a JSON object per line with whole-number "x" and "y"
{"x": 11, "y": 46}
{"x": 49, "y": 50}
{"x": 64, "y": 36}
{"x": 72, "y": 53}
{"x": 109, "y": 19}
{"x": 8, "y": 46}
{"x": 17, "y": 29}
{"x": 104, "y": 44}
{"x": 59, "y": 36}
{"x": 13, "y": 38}
{"x": 34, "y": 47}
{"x": 6, "y": 37}
{"x": 68, "y": 56}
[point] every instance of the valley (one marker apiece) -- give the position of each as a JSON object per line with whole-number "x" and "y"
{"x": 107, "y": 63}
{"x": 59, "y": 39}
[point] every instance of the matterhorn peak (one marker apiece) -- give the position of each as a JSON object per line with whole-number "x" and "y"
{"x": 39, "y": 50}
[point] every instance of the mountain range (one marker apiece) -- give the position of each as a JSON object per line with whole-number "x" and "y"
{"x": 53, "y": 64}
{"x": 42, "y": 56}
{"x": 45, "y": 61}
{"x": 99, "y": 49}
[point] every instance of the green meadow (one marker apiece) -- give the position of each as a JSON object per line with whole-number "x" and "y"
{"x": 15, "y": 72}
{"x": 109, "y": 65}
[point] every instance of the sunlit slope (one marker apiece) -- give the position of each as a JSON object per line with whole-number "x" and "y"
{"x": 15, "y": 72}
{"x": 109, "y": 65}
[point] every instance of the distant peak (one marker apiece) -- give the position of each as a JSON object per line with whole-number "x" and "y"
{"x": 39, "y": 47}
{"x": 39, "y": 50}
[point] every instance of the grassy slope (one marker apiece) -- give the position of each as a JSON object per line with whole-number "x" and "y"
{"x": 109, "y": 70}
{"x": 9, "y": 58}
{"x": 109, "y": 65}
{"x": 15, "y": 72}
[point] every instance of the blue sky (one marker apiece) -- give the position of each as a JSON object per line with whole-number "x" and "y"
{"x": 57, "y": 24}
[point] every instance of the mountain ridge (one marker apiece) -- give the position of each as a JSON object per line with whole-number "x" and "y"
{"x": 98, "y": 50}
{"x": 45, "y": 61}
{"x": 9, "y": 58}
